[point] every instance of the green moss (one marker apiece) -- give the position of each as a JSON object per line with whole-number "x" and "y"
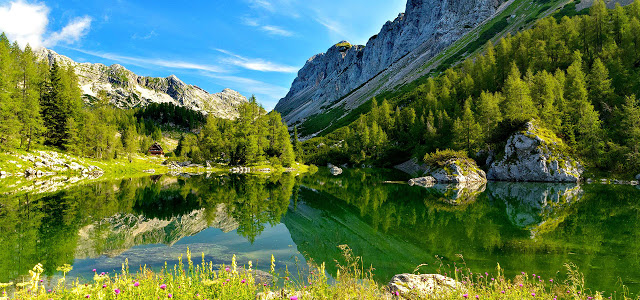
{"x": 344, "y": 45}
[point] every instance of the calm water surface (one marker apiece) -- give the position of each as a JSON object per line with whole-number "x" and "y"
{"x": 535, "y": 228}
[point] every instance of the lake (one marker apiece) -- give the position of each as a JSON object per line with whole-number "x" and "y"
{"x": 530, "y": 227}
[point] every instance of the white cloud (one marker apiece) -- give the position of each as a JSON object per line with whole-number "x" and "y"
{"x": 332, "y": 26}
{"x": 275, "y": 30}
{"x": 27, "y": 23}
{"x": 150, "y": 35}
{"x": 256, "y": 64}
{"x": 268, "y": 94}
{"x": 71, "y": 33}
{"x": 152, "y": 62}
{"x": 270, "y": 29}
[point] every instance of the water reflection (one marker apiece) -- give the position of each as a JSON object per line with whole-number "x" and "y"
{"x": 394, "y": 227}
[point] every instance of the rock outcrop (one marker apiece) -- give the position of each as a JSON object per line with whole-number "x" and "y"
{"x": 422, "y": 286}
{"x": 426, "y": 28}
{"x": 128, "y": 90}
{"x": 535, "y": 154}
{"x": 458, "y": 171}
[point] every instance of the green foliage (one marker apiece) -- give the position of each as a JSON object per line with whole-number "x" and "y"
{"x": 570, "y": 74}
{"x": 250, "y": 139}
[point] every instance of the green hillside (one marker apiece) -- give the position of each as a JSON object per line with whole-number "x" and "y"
{"x": 578, "y": 76}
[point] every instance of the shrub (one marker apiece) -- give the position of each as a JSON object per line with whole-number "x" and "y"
{"x": 441, "y": 157}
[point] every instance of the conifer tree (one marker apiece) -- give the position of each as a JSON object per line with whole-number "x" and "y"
{"x": 518, "y": 104}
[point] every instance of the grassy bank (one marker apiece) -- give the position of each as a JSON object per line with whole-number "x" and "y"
{"x": 201, "y": 280}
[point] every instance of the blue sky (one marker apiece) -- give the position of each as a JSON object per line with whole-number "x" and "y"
{"x": 252, "y": 46}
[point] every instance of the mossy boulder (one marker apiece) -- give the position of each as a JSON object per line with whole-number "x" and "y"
{"x": 535, "y": 154}
{"x": 450, "y": 166}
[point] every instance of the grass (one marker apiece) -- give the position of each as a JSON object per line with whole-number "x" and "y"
{"x": 201, "y": 280}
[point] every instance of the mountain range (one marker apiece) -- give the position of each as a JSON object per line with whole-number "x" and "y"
{"x": 125, "y": 89}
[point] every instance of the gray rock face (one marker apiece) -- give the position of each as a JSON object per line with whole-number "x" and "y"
{"x": 427, "y": 26}
{"x": 535, "y": 155}
{"x": 128, "y": 90}
{"x": 423, "y": 285}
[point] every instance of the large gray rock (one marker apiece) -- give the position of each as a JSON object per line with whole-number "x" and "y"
{"x": 426, "y": 28}
{"x": 535, "y": 154}
{"x": 422, "y": 286}
{"x": 128, "y": 90}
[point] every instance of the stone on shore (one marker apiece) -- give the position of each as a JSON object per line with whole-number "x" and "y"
{"x": 422, "y": 286}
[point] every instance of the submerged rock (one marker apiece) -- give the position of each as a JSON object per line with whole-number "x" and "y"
{"x": 423, "y": 285}
{"x": 535, "y": 154}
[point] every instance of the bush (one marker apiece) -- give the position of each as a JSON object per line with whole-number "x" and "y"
{"x": 441, "y": 157}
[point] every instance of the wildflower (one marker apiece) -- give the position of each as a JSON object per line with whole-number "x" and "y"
{"x": 465, "y": 295}
{"x": 551, "y": 280}
{"x": 170, "y": 296}
{"x": 397, "y": 293}
{"x": 104, "y": 286}
{"x": 477, "y": 297}
{"x": 163, "y": 286}
{"x": 522, "y": 273}
{"x": 94, "y": 270}
{"x": 485, "y": 273}
{"x": 273, "y": 263}
{"x": 48, "y": 291}
{"x": 136, "y": 284}
{"x": 493, "y": 279}
{"x": 520, "y": 285}
{"x": 226, "y": 269}
{"x": 117, "y": 291}
{"x": 534, "y": 275}
{"x": 102, "y": 274}
{"x": 296, "y": 298}
{"x": 87, "y": 296}
{"x": 502, "y": 292}
{"x": 533, "y": 294}
{"x": 242, "y": 281}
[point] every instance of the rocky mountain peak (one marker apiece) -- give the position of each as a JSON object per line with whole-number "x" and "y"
{"x": 128, "y": 90}
{"x": 423, "y": 30}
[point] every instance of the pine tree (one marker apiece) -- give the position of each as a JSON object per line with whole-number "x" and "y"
{"x": 467, "y": 133}
{"x": 488, "y": 110}
{"x": 29, "y": 112}
{"x": 630, "y": 124}
{"x": 518, "y": 104}
{"x": 9, "y": 125}
{"x": 600, "y": 91}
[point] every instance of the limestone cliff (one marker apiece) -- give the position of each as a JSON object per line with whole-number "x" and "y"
{"x": 128, "y": 90}
{"x": 426, "y": 28}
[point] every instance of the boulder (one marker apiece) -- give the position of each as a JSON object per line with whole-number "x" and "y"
{"x": 422, "y": 286}
{"x": 426, "y": 181}
{"x": 535, "y": 154}
{"x": 458, "y": 171}
{"x": 638, "y": 177}
{"x": 335, "y": 171}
